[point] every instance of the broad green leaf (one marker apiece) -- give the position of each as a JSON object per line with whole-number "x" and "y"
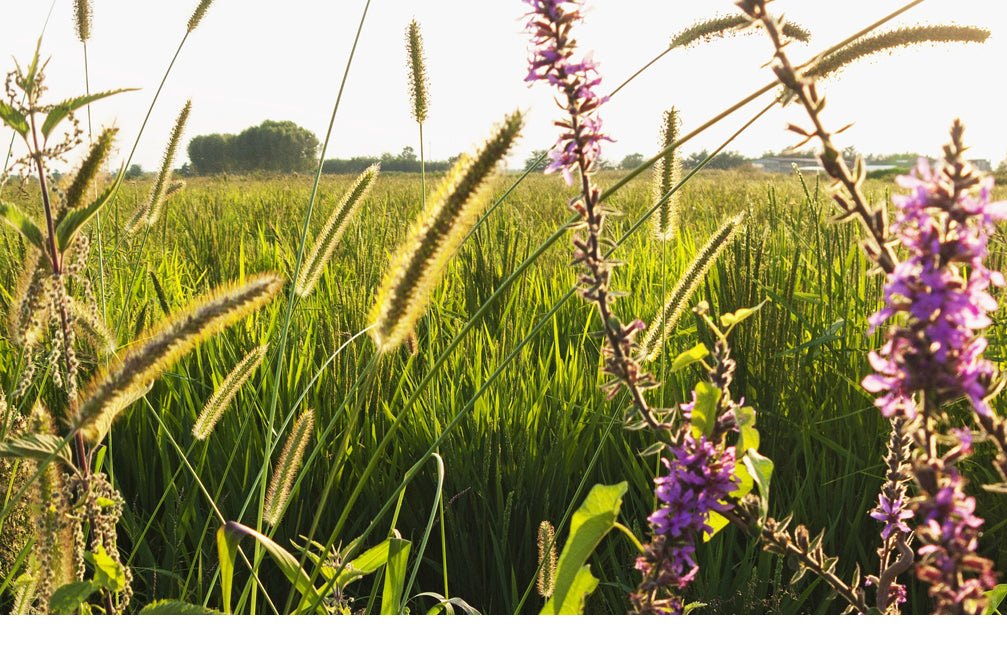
{"x": 717, "y": 521}
{"x": 584, "y": 584}
{"x": 13, "y": 118}
{"x": 25, "y": 226}
{"x": 176, "y": 608}
{"x": 748, "y": 437}
{"x": 995, "y": 596}
{"x": 59, "y": 112}
{"x": 30, "y": 76}
{"x": 36, "y": 447}
{"x": 68, "y": 227}
{"x": 68, "y": 598}
{"x": 731, "y": 319}
{"x": 654, "y": 449}
{"x": 108, "y": 573}
{"x": 704, "y": 412}
{"x": 589, "y": 524}
{"x": 745, "y": 481}
{"x": 395, "y": 576}
{"x": 365, "y": 564}
{"x": 761, "y": 468}
{"x": 228, "y": 537}
{"x": 692, "y": 356}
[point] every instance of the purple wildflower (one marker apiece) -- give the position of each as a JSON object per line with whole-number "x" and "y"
{"x": 554, "y": 60}
{"x": 893, "y": 513}
{"x": 700, "y": 476}
{"x": 943, "y": 225}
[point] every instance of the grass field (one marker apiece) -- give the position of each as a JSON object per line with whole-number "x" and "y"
{"x": 538, "y": 436}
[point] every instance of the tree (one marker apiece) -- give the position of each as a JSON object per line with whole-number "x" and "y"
{"x": 211, "y": 154}
{"x": 134, "y": 171}
{"x": 631, "y": 162}
{"x": 722, "y": 161}
{"x": 535, "y": 156}
{"x": 272, "y": 146}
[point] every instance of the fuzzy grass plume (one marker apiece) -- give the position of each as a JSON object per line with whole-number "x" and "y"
{"x": 676, "y": 302}
{"x": 82, "y": 19}
{"x": 121, "y": 382}
{"x": 725, "y": 26}
{"x": 197, "y": 15}
{"x": 332, "y": 232}
{"x": 419, "y": 263}
{"x": 151, "y": 210}
{"x": 215, "y": 407}
{"x": 546, "y": 580}
{"x": 903, "y": 37}
{"x": 419, "y": 84}
{"x": 286, "y": 468}
{"x": 667, "y": 171}
{"x": 89, "y": 169}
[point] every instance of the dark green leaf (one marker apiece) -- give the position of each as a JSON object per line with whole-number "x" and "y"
{"x": 108, "y": 573}
{"x": 368, "y": 562}
{"x": 761, "y": 469}
{"x": 24, "y": 225}
{"x": 227, "y": 551}
{"x": 36, "y": 447}
{"x": 68, "y": 598}
{"x": 589, "y": 524}
{"x": 59, "y": 112}
{"x": 13, "y": 118}
{"x": 693, "y": 355}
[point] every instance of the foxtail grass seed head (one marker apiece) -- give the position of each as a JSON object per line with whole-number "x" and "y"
{"x": 725, "y": 26}
{"x": 903, "y": 37}
{"x": 215, "y": 407}
{"x": 286, "y": 468}
{"x": 162, "y": 183}
{"x": 198, "y": 14}
{"x": 676, "y": 302}
{"x": 419, "y": 85}
{"x": 82, "y": 19}
{"x": 418, "y": 265}
{"x": 89, "y": 168}
{"x": 332, "y": 232}
{"x": 546, "y": 580}
{"x": 121, "y": 382}
{"x": 667, "y": 171}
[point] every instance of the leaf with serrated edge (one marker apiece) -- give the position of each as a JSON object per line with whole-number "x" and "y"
{"x": 68, "y": 598}
{"x": 13, "y": 118}
{"x": 59, "y": 112}
{"x": 68, "y": 227}
{"x": 35, "y": 447}
{"x": 692, "y": 356}
{"x": 12, "y": 215}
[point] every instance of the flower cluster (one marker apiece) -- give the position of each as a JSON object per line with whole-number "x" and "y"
{"x": 700, "y": 476}
{"x": 554, "y": 60}
{"x": 937, "y": 350}
{"x": 949, "y": 532}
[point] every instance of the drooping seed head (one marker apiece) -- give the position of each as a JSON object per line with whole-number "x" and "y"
{"x": 418, "y": 265}
{"x": 89, "y": 169}
{"x": 286, "y": 467}
{"x": 215, "y": 407}
{"x": 151, "y": 210}
{"x": 198, "y": 14}
{"x": 725, "y": 26}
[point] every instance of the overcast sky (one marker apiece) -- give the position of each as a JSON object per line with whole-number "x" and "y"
{"x": 253, "y": 60}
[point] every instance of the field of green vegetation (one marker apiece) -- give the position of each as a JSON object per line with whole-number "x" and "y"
{"x": 523, "y": 446}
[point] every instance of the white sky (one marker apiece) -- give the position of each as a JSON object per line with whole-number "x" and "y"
{"x": 252, "y": 60}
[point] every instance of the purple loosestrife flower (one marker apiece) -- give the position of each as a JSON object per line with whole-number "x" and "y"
{"x": 554, "y": 60}
{"x": 700, "y": 476}
{"x": 937, "y": 350}
{"x": 893, "y": 513}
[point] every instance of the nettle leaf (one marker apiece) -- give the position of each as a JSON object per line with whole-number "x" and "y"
{"x": 75, "y": 220}
{"x": 692, "y": 356}
{"x": 108, "y": 573}
{"x": 25, "y": 226}
{"x": 176, "y": 608}
{"x": 68, "y": 598}
{"x": 745, "y": 481}
{"x": 748, "y": 439}
{"x": 731, "y": 319}
{"x": 995, "y": 597}
{"x": 36, "y": 447}
{"x": 13, "y": 118}
{"x": 761, "y": 469}
{"x": 588, "y": 526}
{"x": 704, "y": 412}
{"x": 59, "y": 112}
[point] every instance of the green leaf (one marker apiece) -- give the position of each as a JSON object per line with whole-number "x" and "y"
{"x": 589, "y": 524}
{"x": 13, "y": 118}
{"x": 59, "y": 112}
{"x": 732, "y": 319}
{"x": 36, "y": 447}
{"x": 395, "y": 576}
{"x": 717, "y": 521}
{"x": 745, "y": 481}
{"x": 25, "y": 226}
{"x": 761, "y": 468}
{"x": 995, "y": 596}
{"x": 365, "y": 564}
{"x": 108, "y": 573}
{"x": 692, "y": 356}
{"x": 68, "y": 227}
{"x": 748, "y": 437}
{"x": 176, "y": 608}
{"x": 68, "y": 598}
{"x": 704, "y": 412}
{"x": 228, "y": 537}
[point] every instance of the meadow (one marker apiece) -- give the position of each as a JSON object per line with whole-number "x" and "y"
{"x": 541, "y": 434}
{"x": 403, "y": 393}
